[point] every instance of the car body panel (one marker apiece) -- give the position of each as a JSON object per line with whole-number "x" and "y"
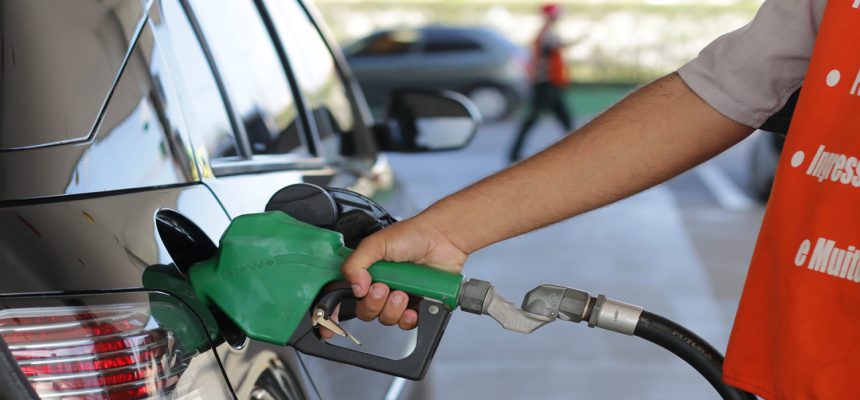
{"x": 89, "y": 39}
{"x": 138, "y": 139}
{"x": 95, "y": 243}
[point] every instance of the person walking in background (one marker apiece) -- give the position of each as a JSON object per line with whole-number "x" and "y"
{"x": 549, "y": 79}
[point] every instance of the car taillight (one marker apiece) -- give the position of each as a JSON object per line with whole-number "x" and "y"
{"x": 96, "y": 352}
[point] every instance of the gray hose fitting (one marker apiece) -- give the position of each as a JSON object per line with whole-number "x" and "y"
{"x": 614, "y": 315}
{"x": 479, "y": 297}
{"x": 577, "y": 305}
{"x": 473, "y": 294}
{"x": 560, "y": 302}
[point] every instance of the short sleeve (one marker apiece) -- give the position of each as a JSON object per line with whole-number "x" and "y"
{"x": 749, "y": 74}
{"x": 549, "y": 42}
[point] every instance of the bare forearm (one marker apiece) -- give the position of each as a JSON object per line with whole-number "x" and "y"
{"x": 652, "y": 135}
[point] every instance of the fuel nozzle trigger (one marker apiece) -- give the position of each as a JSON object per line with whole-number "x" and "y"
{"x": 337, "y": 294}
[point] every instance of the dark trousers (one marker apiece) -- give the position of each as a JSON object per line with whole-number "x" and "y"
{"x": 545, "y": 97}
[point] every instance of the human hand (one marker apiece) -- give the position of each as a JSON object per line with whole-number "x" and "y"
{"x": 415, "y": 240}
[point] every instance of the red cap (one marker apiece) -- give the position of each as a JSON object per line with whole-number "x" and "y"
{"x": 551, "y": 10}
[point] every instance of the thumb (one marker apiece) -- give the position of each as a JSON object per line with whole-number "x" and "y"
{"x": 354, "y": 269}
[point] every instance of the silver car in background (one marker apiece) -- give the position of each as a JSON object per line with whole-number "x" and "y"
{"x": 478, "y": 62}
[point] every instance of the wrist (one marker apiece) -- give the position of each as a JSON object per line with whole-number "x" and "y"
{"x": 443, "y": 224}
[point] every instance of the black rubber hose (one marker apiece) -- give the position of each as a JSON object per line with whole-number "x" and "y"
{"x": 691, "y": 348}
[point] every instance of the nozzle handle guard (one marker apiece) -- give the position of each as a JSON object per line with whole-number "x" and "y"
{"x": 432, "y": 320}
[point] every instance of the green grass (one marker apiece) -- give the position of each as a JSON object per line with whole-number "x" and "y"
{"x": 588, "y": 100}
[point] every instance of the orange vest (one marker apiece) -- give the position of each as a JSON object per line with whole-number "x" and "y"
{"x": 797, "y": 330}
{"x": 548, "y": 66}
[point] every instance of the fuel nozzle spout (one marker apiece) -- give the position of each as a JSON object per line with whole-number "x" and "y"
{"x": 480, "y": 297}
{"x": 545, "y": 304}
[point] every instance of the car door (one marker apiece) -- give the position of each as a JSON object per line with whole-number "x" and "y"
{"x": 285, "y": 130}
{"x": 335, "y": 107}
{"x": 271, "y": 145}
{"x": 253, "y": 369}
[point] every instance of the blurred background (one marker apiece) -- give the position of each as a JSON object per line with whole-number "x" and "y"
{"x": 680, "y": 249}
{"x": 616, "y": 44}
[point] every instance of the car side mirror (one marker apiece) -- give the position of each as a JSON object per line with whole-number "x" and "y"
{"x": 427, "y": 120}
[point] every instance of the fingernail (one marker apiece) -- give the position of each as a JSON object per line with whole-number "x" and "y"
{"x": 408, "y": 320}
{"x": 396, "y": 299}
{"x": 377, "y": 292}
{"x": 356, "y": 289}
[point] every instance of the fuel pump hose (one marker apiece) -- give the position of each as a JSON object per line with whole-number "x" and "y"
{"x": 547, "y": 303}
{"x": 689, "y": 347}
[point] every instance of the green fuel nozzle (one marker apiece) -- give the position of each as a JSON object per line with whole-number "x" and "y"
{"x": 271, "y": 270}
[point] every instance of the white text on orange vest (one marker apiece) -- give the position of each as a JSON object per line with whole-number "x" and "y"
{"x": 829, "y": 259}
{"x": 835, "y": 167}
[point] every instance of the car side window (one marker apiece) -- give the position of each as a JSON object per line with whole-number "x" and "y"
{"x": 449, "y": 42}
{"x": 386, "y": 44}
{"x": 316, "y": 73}
{"x": 253, "y": 75}
{"x": 205, "y": 114}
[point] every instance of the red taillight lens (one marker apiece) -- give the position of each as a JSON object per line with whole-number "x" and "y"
{"x": 94, "y": 352}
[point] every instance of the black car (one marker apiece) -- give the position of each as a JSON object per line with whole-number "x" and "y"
{"x": 478, "y": 62}
{"x": 131, "y": 133}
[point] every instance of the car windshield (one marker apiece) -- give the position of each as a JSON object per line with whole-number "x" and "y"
{"x": 386, "y": 44}
{"x": 449, "y": 41}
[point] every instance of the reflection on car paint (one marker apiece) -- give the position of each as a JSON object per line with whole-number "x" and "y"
{"x": 35, "y": 104}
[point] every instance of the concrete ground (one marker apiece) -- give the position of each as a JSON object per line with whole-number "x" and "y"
{"x": 680, "y": 250}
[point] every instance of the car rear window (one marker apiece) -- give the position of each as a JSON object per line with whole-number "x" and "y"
{"x": 58, "y": 60}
